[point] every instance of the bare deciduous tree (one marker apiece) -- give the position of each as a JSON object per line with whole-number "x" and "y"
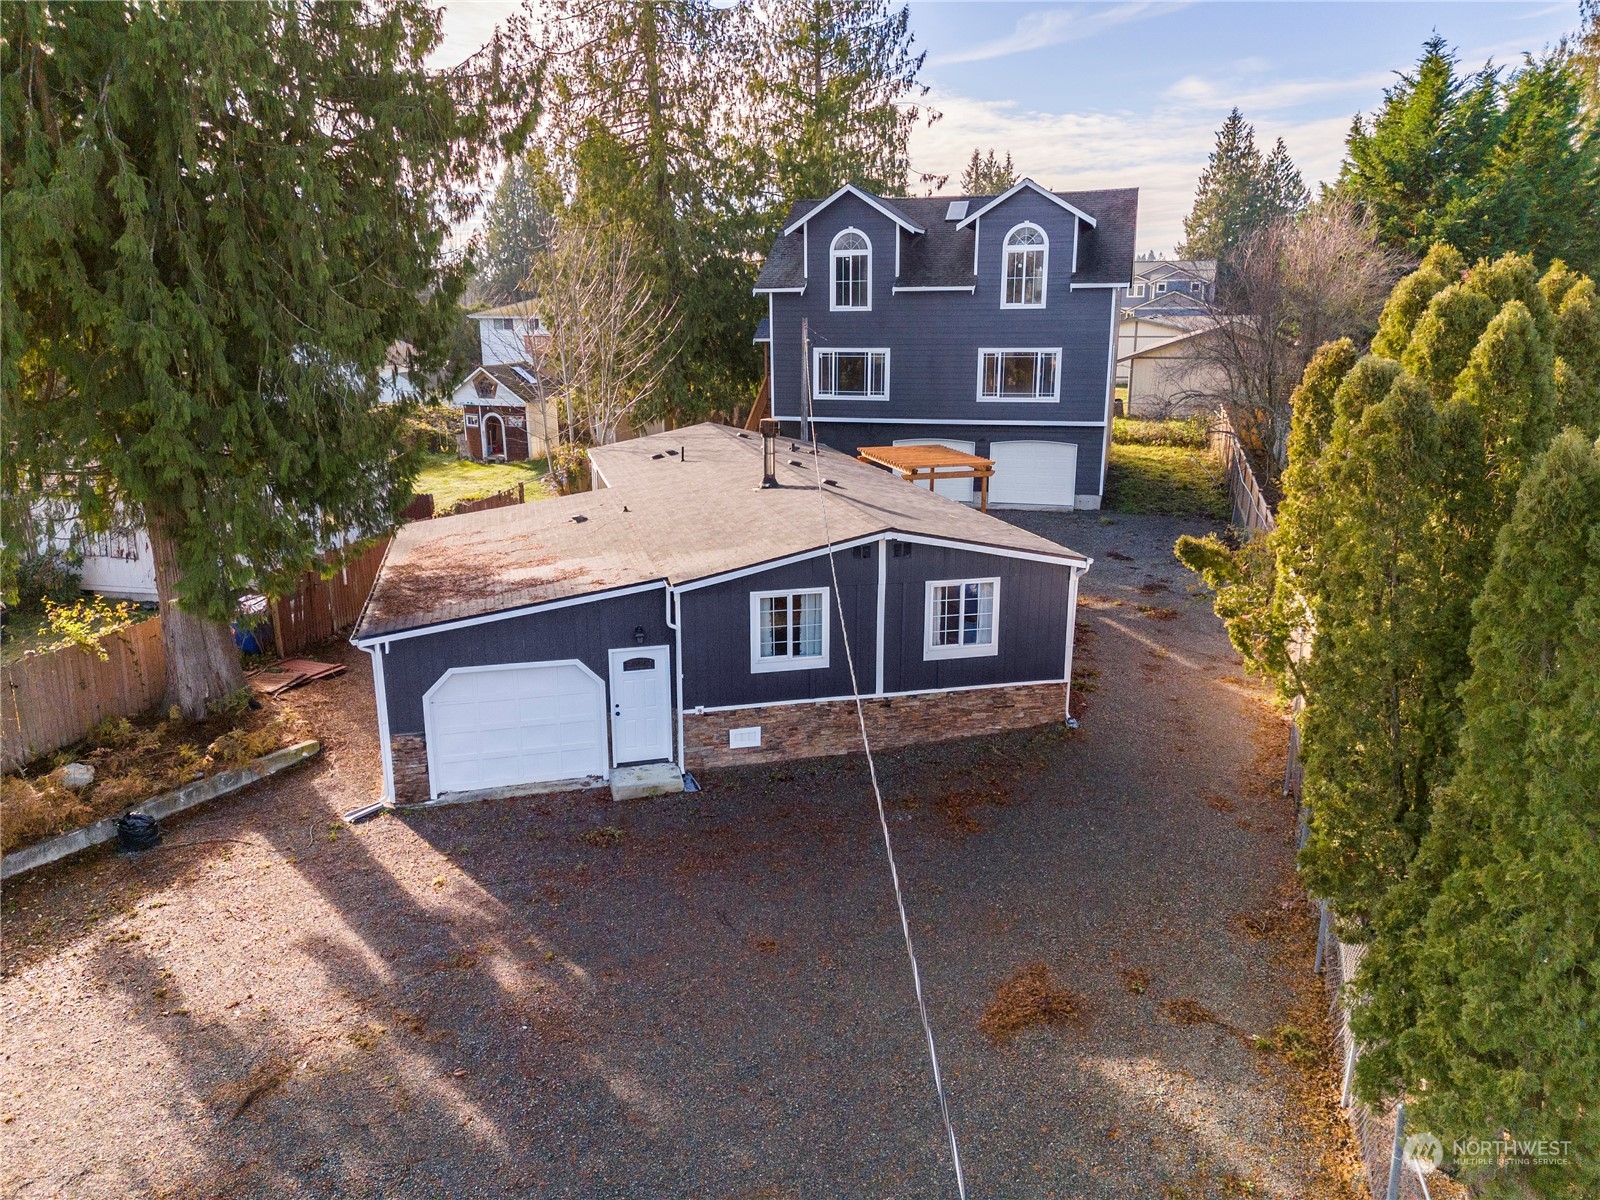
{"x": 1295, "y": 284}
{"x": 609, "y": 334}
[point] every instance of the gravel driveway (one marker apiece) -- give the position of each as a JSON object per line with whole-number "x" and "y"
{"x": 707, "y": 996}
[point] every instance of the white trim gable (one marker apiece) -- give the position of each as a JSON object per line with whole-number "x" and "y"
{"x": 1043, "y": 191}
{"x": 873, "y": 201}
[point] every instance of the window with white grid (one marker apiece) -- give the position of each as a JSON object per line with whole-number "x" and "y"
{"x": 962, "y": 618}
{"x": 788, "y": 630}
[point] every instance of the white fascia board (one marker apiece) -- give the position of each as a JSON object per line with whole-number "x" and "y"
{"x": 877, "y": 420}
{"x": 1082, "y": 287}
{"x": 975, "y": 687}
{"x": 969, "y": 288}
{"x": 381, "y": 639}
{"x": 1067, "y": 558}
{"x": 852, "y": 190}
{"x": 799, "y": 291}
{"x": 1043, "y": 191}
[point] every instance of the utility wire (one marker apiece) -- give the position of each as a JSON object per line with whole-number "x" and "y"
{"x": 877, "y": 795}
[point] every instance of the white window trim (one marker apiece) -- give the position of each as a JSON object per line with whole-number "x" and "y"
{"x": 816, "y": 371}
{"x": 759, "y": 665}
{"x": 834, "y": 254}
{"x": 931, "y": 652}
{"x": 1053, "y": 398}
{"x": 1006, "y": 251}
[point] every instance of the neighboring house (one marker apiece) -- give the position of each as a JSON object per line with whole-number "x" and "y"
{"x": 1194, "y": 280}
{"x": 507, "y": 413}
{"x": 1174, "y": 378}
{"x": 683, "y": 615}
{"x": 511, "y": 333}
{"x": 984, "y": 323}
{"x": 394, "y": 380}
{"x": 1143, "y": 328}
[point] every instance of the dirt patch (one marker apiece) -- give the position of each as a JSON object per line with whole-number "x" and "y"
{"x": 1152, "y": 587}
{"x": 1217, "y": 802}
{"x": 135, "y": 760}
{"x": 1186, "y": 1010}
{"x": 1159, "y": 613}
{"x": 1135, "y": 979}
{"x": 1029, "y": 997}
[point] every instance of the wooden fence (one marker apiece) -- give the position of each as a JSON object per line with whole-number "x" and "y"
{"x": 318, "y": 608}
{"x": 514, "y": 495}
{"x": 51, "y": 700}
{"x": 1250, "y": 507}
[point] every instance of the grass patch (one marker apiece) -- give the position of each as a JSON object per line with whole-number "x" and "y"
{"x": 1191, "y": 433}
{"x": 1030, "y": 997}
{"x": 1157, "y": 480}
{"x": 451, "y": 480}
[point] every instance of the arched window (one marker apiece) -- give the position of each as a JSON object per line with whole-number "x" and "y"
{"x": 1027, "y": 252}
{"x": 852, "y": 271}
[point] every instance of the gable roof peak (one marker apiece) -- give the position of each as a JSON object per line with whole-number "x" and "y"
{"x": 1037, "y": 187}
{"x": 877, "y": 202}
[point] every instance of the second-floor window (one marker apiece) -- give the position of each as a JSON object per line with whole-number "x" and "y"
{"x": 852, "y": 270}
{"x": 1018, "y": 374}
{"x": 1027, "y": 251}
{"x": 851, "y": 374}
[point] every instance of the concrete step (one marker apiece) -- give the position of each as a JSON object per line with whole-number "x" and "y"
{"x": 642, "y": 782}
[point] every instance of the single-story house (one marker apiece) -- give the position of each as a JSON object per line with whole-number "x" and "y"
{"x": 684, "y": 614}
{"x": 507, "y": 413}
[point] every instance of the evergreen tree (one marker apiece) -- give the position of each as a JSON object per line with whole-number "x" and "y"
{"x": 988, "y": 176}
{"x": 1239, "y": 192}
{"x": 217, "y": 218}
{"x": 833, "y": 98}
{"x": 1481, "y": 991}
{"x": 1489, "y": 163}
{"x": 514, "y": 234}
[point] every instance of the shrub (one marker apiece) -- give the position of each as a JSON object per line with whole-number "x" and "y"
{"x": 44, "y": 578}
{"x": 239, "y": 746}
{"x": 112, "y": 733}
{"x": 33, "y": 810}
{"x": 85, "y": 620}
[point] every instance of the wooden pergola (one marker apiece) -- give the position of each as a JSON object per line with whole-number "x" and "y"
{"x": 932, "y": 463}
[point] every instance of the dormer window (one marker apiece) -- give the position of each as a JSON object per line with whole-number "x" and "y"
{"x": 1027, "y": 253}
{"x": 485, "y": 387}
{"x": 852, "y": 271}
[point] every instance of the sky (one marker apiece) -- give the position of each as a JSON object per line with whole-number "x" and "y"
{"x": 1130, "y": 94}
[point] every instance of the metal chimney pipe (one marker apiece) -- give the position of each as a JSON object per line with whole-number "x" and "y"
{"x": 769, "y": 452}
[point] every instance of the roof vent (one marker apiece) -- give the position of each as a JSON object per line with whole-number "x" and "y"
{"x": 579, "y": 519}
{"x": 957, "y": 211}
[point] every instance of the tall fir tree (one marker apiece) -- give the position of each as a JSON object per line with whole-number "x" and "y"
{"x": 1239, "y": 192}
{"x": 987, "y": 175}
{"x": 515, "y": 229}
{"x": 834, "y": 96}
{"x": 1488, "y": 162}
{"x": 211, "y": 236}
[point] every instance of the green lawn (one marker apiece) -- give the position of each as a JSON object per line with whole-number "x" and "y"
{"x": 1151, "y": 475}
{"x": 452, "y": 480}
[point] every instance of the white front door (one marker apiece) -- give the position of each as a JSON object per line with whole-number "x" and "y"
{"x": 641, "y": 705}
{"x": 951, "y": 489}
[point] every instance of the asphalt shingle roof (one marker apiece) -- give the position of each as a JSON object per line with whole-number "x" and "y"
{"x": 680, "y": 506}
{"x": 942, "y": 257}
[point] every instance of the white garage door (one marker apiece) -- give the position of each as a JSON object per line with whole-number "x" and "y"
{"x": 1033, "y": 474}
{"x": 953, "y": 489}
{"x": 495, "y": 727}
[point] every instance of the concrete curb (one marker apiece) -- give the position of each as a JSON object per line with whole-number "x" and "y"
{"x": 51, "y": 849}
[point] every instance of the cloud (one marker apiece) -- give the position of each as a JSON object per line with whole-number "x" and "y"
{"x": 1161, "y": 153}
{"x": 1197, "y": 91}
{"x": 1052, "y": 27}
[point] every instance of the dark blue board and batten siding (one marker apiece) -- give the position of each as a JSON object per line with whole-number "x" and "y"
{"x": 586, "y": 632}
{"x": 1032, "y": 627}
{"x": 934, "y": 340}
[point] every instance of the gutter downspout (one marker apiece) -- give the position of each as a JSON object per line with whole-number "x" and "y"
{"x": 677, "y": 653}
{"x": 1072, "y": 632}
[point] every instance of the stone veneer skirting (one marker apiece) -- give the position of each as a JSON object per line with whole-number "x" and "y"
{"x": 408, "y": 753}
{"x": 810, "y": 730}
{"x": 814, "y": 729}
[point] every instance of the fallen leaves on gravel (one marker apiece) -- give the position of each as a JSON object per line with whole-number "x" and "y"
{"x": 1186, "y": 1010}
{"x": 1029, "y": 997}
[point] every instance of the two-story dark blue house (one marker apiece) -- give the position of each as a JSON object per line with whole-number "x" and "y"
{"x": 984, "y": 323}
